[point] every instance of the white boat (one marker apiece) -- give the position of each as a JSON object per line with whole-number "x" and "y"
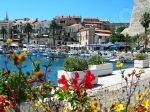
{"x": 73, "y": 53}
{"x": 114, "y": 60}
{"x": 1, "y": 49}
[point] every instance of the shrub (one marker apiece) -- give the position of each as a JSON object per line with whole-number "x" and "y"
{"x": 75, "y": 64}
{"x": 11, "y": 82}
{"x": 96, "y": 60}
{"x": 140, "y": 57}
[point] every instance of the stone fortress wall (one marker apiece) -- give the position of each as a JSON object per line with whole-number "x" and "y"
{"x": 135, "y": 27}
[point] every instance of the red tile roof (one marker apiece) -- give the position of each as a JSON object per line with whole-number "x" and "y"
{"x": 93, "y": 20}
{"x": 36, "y": 22}
{"x": 60, "y": 17}
{"x": 5, "y": 22}
{"x": 102, "y": 31}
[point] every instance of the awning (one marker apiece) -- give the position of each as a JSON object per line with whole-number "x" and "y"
{"x": 75, "y": 45}
{"x": 45, "y": 35}
{"x": 102, "y": 34}
{"x": 14, "y": 44}
{"x": 115, "y": 46}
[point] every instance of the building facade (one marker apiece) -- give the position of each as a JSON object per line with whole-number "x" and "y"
{"x": 67, "y": 20}
{"x": 86, "y": 36}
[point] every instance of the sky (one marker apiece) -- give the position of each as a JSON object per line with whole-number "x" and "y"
{"x": 111, "y": 10}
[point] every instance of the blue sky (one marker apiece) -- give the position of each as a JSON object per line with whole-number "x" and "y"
{"x": 112, "y": 10}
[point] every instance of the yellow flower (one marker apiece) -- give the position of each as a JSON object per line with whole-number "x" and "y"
{"x": 96, "y": 110}
{"x": 145, "y": 93}
{"x": 119, "y": 107}
{"x": 21, "y": 57}
{"x": 132, "y": 110}
{"x": 26, "y": 51}
{"x": 138, "y": 97}
{"x": 9, "y": 40}
{"x": 110, "y": 99}
{"x": 103, "y": 62}
{"x": 94, "y": 103}
{"x": 141, "y": 71}
{"x": 18, "y": 59}
{"x": 8, "y": 55}
{"x": 146, "y": 103}
{"x": 119, "y": 64}
{"x": 37, "y": 104}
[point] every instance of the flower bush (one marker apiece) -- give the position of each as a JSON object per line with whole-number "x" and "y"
{"x": 140, "y": 56}
{"x": 75, "y": 64}
{"x": 95, "y": 60}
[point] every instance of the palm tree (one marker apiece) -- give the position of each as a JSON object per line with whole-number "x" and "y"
{"x": 3, "y": 31}
{"x": 28, "y": 29}
{"x": 53, "y": 29}
{"x": 145, "y": 21}
{"x": 10, "y": 31}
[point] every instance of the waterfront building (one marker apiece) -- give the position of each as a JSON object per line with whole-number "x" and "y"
{"x": 67, "y": 20}
{"x": 6, "y": 24}
{"x": 102, "y": 36}
{"x": 71, "y": 32}
{"x": 96, "y": 23}
{"x": 86, "y": 36}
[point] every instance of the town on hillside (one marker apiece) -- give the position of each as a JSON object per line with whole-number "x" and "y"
{"x": 62, "y": 30}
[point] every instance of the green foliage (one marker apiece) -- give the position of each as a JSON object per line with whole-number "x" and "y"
{"x": 28, "y": 28}
{"x": 37, "y": 66}
{"x": 145, "y": 20}
{"x": 11, "y": 84}
{"x": 140, "y": 56}
{"x": 75, "y": 64}
{"x": 147, "y": 49}
{"x": 120, "y": 29}
{"x": 117, "y": 38}
{"x": 3, "y": 31}
{"x": 131, "y": 40}
{"x": 95, "y": 60}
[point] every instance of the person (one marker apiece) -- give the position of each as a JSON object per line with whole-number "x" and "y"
{"x": 126, "y": 50}
{"x": 132, "y": 52}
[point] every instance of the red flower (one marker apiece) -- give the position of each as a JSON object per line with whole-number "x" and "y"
{"x": 49, "y": 70}
{"x": 6, "y": 102}
{"x": 30, "y": 81}
{"x": 64, "y": 82}
{"x": 86, "y": 82}
{"x": 88, "y": 79}
{"x": 1, "y": 98}
{"x": 133, "y": 72}
{"x": 141, "y": 108}
{"x": 75, "y": 83}
{"x": 77, "y": 75}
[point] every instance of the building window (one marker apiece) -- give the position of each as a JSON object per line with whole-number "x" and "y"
{"x": 62, "y": 21}
{"x": 100, "y": 37}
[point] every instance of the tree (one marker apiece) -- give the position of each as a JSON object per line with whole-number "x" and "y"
{"x": 28, "y": 29}
{"x": 145, "y": 21}
{"x": 53, "y": 29}
{"x": 11, "y": 30}
{"x": 115, "y": 37}
{"x": 3, "y": 31}
{"x": 120, "y": 29}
